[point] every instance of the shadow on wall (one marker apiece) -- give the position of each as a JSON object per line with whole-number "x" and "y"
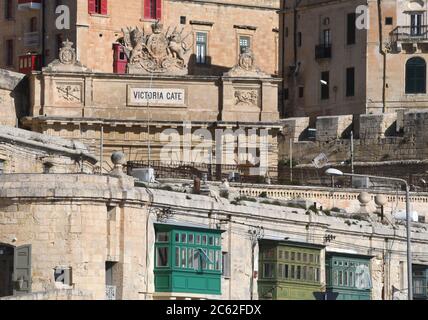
{"x": 207, "y": 68}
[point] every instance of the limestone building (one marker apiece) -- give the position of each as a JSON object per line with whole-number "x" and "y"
{"x": 86, "y": 236}
{"x": 353, "y": 57}
{"x": 31, "y": 37}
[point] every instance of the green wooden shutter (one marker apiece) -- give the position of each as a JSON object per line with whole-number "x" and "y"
{"x": 22, "y": 270}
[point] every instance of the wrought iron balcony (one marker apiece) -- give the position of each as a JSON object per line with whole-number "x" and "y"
{"x": 410, "y": 34}
{"x": 323, "y": 51}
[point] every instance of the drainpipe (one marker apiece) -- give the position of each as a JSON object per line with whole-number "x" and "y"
{"x": 383, "y": 53}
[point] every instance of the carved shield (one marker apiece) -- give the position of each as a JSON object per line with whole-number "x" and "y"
{"x": 158, "y": 44}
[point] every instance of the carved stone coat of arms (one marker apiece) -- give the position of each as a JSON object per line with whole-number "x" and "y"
{"x": 159, "y": 52}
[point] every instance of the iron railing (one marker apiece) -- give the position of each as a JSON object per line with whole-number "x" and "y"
{"x": 323, "y": 51}
{"x": 409, "y": 34}
{"x": 111, "y": 292}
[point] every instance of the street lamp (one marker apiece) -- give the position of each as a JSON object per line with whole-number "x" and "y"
{"x": 336, "y": 172}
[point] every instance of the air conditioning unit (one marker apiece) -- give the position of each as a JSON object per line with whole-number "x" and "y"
{"x": 144, "y": 174}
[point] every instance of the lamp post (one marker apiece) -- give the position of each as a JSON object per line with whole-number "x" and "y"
{"x": 335, "y": 172}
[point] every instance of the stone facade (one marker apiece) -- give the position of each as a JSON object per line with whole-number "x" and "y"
{"x": 24, "y": 151}
{"x": 94, "y": 34}
{"x": 378, "y": 55}
{"x": 97, "y": 219}
{"x": 73, "y": 102}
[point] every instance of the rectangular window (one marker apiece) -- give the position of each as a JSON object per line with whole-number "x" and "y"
{"x": 286, "y": 255}
{"x": 293, "y": 272}
{"x": 299, "y": 273}
{"x": 326, "y": 38}
{"x": 299, "y": 39}
{"x": 201, "y": 47}
{"x": 153, "y": 9}
{"x": 293, "y": 256}
{"x": 204, "y": 240}
{"x": 190, "y": 258}
{"x": 325, "y": 85}
{"x": 162, "y": 237}
{"x": 416, "y": 24}
{"x": 350, "y": 82}
{"x": 9, "y": 53}
{"x": 204, "y": 259}
{"x": 218, "y": 260}
{"x": 191, "y": 238}
{"x": 301, "y": 92}
{"x": 389, "y": 21}
{"x": 305, "y": 257}
{"x": 286, "y": 275}
{"x": 299, "y": 256}
{"x": 280, "y": 270}
{"x": 351, "y": 28}
{"x": 8, "y": 9}
{"x": 311, "y": 274}
{"x": 244, "y": 43}
{"x": 210, "y": 240}
{"x": 198, "y": 239}
{"x": 183, "y": 258}
{"x": 268, "y": 270}
{"x": 98, "y": 7}
{"x": 212, "y": 260}
{"x": 183, "y": 238}
{"x": 340, "y": 278}
{"x": 162, "y": 257}
{"x": 304, "y": 273}
{"x": 177, "y": 257}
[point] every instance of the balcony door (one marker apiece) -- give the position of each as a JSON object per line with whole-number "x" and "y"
{"x": 416, "y": 23}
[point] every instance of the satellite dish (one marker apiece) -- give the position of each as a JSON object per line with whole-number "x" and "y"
{"x": 320, "y": 161}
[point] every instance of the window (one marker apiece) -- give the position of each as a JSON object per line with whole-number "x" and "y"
{"x": 325, "y": 85}
{"x": 9, "y": 52}
{"x": 191, "y": 238}
{"x": 8, "y": 10}
{"x": 299, "y": 39}
{"x": 293, "y": 256}
{"x": 286, "y": 271}
{"x": 183, "y": 258}
{"x": 351, "y": 29}
{"x": 389, "y": 21}
{"x": 416, "y": 76}
{"x": 33, "y": 24}
{"x": 301, "y": 92}
{"x": 268, "y": 270}
{"x": 190, "y": 258}
{"x": 182, "y": 20}
{"x": 153, "y": 9}
{"x": 98, "y": 6}
{"x": 244, "y": 44}
{"x": 162, "y": 237}
{"x": 162, "y": 257}
{"x": 177, "y": 257}
{"x": 416, "y": 24}
{"x": 326, "y": 38}
{"x": 280, "y": 270}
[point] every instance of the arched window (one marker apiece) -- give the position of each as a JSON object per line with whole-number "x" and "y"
{"x": 416, "y": 70}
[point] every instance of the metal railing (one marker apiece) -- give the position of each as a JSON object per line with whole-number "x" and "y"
{"x": 323, "y": 51}
{"x": 111, "y": 292}
{"x": 409, "y": 33}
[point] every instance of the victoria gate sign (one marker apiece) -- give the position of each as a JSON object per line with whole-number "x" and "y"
{"x": 152, "y": 96}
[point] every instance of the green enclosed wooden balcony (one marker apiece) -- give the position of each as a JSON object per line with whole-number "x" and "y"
{"x": 187, "y": 260}
{"x": 348, "y": 276}
{"x": 289, "y": 270}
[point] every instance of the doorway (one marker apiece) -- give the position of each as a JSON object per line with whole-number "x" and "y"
{"x": 15, "y": 270}
{"x": 6, "y": 270}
